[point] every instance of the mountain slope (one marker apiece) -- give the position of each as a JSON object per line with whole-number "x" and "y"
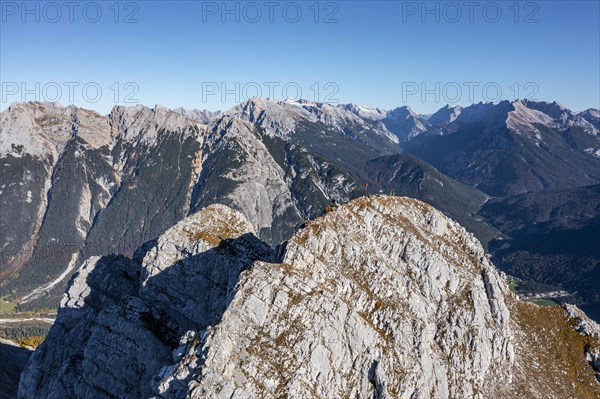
{"x": 95, "y": 168}
{"x": 96, "y": 185}
{"x": 276, "y": 184}
{"x": 204, "y": 312}
{"x": 408, "y": 176}
{"x": 333, "y": 133}
{"x": 553, "y": 238}
{"x": 76, "y": 184}
{"x": 364, "y": 151}
{"x": 512, "y": 148}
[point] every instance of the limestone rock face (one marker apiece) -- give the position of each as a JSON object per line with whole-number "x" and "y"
{"x": 121, "y": 318}
{"x": 383, "y": 297}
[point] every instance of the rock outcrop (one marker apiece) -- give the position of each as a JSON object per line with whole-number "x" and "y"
{"x": 121, "y": 318}
{"x": 383, "y": 297}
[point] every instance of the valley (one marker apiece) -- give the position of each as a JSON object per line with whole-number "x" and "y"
{"x": 281, "y": 163}
{"x": 117, "y": 183}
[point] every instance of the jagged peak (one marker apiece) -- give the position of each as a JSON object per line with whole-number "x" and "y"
{"x": 141, "y": 123}
{"x": 31, "y": 105}
{"x": 404, "y": 110}
{"x": 39, "y": 107}
{"x": 485, "y": 112}
{"x": 43, "y": 129}
{"x": 553, "y": 109}
{"x": 200, "y": 115}
{"x": 446, "y": 114}
{"x": 281, "y": 117}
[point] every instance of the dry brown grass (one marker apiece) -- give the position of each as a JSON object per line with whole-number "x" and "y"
{"x": 550, "y": 360}
{"x": 550, "y": 355}
{"x": 31, "y": 342}
{"x": 214, "y": 236}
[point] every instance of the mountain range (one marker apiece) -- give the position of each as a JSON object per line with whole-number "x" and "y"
{"x": 77, "y": 184}
{"x": 85, "y": 197}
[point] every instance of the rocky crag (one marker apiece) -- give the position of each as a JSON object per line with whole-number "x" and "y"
{"x": 383, "y": 297}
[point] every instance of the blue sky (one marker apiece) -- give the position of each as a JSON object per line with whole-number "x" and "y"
{"x": 377, "y": 53}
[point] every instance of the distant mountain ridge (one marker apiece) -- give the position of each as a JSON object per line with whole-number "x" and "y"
{"x": 71, "y": 177}
{"x": 512, "y": 148}
{"x": 77, "y": 184}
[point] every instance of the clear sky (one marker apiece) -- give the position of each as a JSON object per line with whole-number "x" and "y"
{"x": 204, "y": 54}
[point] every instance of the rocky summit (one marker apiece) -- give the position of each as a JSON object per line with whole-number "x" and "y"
{"x": 382, "y": 297}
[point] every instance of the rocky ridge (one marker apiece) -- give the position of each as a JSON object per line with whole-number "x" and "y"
{"x": 382, "y": 297}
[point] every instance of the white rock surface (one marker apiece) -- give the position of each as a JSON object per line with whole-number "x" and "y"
{"x": 445, "y": 115}
{"x": 43, "y": 129}
{"x": 281, "y": 117}
{"x": 382, "y": 297}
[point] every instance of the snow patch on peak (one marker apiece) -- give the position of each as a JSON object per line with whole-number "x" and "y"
{"x": 595, "y": 152}
{"x": 592, "y": 112}
{"x": 373, "y": 114}
{"x": 592, "y": 116}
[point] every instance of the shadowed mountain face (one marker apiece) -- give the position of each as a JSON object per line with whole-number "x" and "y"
{"x": 553, "y": 238}
{"x": 154, "y": 299}
{"x": 513, "y": 148}
{"x": 12, "y": 361}
{"x": 381, "y": 297}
